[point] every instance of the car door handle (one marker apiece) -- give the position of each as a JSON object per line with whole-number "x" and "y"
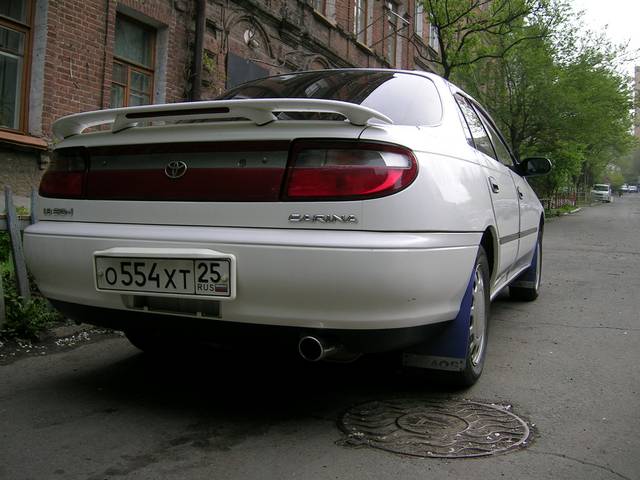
{"x": 520, "y": 194}
{"x": 495, "y": 188}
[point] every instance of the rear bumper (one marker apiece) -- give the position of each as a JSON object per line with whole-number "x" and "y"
{"x": 342, "y": 280}
{"x": 247, "y": 335}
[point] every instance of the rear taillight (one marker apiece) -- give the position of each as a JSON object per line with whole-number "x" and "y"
{"x": 231, "y": 171}
{"x": 66, "y": 175}
{"x": 347, "y": 170}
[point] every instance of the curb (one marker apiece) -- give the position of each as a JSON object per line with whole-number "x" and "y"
{"x": 69, "y": 330}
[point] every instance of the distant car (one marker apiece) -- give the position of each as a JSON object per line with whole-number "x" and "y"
{"x": 602, "y": 192}
{"x": 633, "y": 189}
{"x": 624, "y": 188}
{"x": 338, "y": 212}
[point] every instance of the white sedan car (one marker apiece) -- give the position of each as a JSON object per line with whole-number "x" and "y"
{"x": 335, "y": 212}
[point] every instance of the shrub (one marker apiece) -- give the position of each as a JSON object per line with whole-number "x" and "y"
{"x": 5, "y": 247}
{"x": 25, "y": 318}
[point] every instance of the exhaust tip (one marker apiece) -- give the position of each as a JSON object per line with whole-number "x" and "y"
{"x": 311, "y": 349}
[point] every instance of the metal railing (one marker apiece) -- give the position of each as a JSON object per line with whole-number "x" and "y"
{"x": 14, "y": 224}
{"x": 560, "y": 200}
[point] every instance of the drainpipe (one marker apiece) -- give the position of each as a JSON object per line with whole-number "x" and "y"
{"x": 198, "y": 50}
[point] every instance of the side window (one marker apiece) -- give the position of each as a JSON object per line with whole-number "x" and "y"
{"x": 478, "y": 132}
{"x": 464, "y": 123}
{"x": 502, "y": 151}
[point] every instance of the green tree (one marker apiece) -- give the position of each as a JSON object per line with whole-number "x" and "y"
{"x": 630, "y": 165}
{"x": 559, "y": 95}
{"x": 469, "y": 31}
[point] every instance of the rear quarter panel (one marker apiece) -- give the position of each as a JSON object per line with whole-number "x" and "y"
{"x": 450, "y": 192}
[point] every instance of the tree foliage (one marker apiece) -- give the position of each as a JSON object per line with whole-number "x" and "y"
{"x": 559, "y": 94}
{"x": 469, "y": 31}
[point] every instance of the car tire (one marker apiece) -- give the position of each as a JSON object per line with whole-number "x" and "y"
{"x": 478, "y": 325}
{"x": 530, "y": 293}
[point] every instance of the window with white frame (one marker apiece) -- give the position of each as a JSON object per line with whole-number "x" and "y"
{"x": 419, "y": 19}
{"x": 433, "y": 37}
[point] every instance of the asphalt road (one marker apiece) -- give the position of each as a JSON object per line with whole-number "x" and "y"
{"x": 568, "y": 363}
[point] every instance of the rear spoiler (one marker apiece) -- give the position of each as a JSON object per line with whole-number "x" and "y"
{"x": 260, "y": 111}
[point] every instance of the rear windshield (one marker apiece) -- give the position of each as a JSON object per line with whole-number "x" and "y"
{"x": 601, "y": 188}
{"x": 405, "y": 98}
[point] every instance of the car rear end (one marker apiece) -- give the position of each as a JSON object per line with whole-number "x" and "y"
{"x": 299, "y": 225}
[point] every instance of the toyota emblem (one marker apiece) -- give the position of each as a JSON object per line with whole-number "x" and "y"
{"x": 175, "y": 169}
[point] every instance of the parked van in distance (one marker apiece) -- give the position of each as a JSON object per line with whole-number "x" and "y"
{"x": 602, "y": 192}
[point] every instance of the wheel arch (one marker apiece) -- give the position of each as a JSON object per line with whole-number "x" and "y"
{"x": 489, "y": 242}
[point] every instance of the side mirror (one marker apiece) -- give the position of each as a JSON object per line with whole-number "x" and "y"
{"x": 534, "y": 166}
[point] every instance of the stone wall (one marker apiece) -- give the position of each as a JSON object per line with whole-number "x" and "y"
{"x": 20, "y": 169}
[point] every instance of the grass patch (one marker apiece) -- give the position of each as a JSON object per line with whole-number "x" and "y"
{"x": 556, "y": 212}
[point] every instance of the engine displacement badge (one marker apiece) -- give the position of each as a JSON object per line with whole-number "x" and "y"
{"x": 58, "y": 212}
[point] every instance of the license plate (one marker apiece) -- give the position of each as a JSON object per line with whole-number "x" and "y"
{"x": 179, "y": 276}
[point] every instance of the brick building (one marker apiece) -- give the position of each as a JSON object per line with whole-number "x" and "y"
{"x": 59, "y": 57}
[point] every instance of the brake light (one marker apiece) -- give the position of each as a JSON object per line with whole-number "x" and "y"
{"x": 346, "y": 170}
{"x": 66, "y": 175}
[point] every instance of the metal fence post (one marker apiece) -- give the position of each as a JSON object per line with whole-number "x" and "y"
{"x": 3, "y": 311}
{"x": 19, "y": 264}
{"x": 32, "y": 208}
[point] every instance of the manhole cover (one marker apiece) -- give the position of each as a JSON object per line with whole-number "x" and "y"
{"x": 435, "y": 428}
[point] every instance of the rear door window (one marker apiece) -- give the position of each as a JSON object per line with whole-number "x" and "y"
{"x": 480, "y": 136}
{"x": 501, "y": 149}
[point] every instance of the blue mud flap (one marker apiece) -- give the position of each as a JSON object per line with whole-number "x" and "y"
{"x": 527, "y": 278}
{"x": 447, "y": 349}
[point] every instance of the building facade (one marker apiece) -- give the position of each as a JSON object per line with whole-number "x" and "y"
{"x": 59, "y": 57}
{"x": 636, "y": 98}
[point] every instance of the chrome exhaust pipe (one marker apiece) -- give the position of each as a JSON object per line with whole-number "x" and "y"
{"x": 314, "y": 349}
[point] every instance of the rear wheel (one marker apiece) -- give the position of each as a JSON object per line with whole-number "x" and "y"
{"x": 478, "y": 325}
